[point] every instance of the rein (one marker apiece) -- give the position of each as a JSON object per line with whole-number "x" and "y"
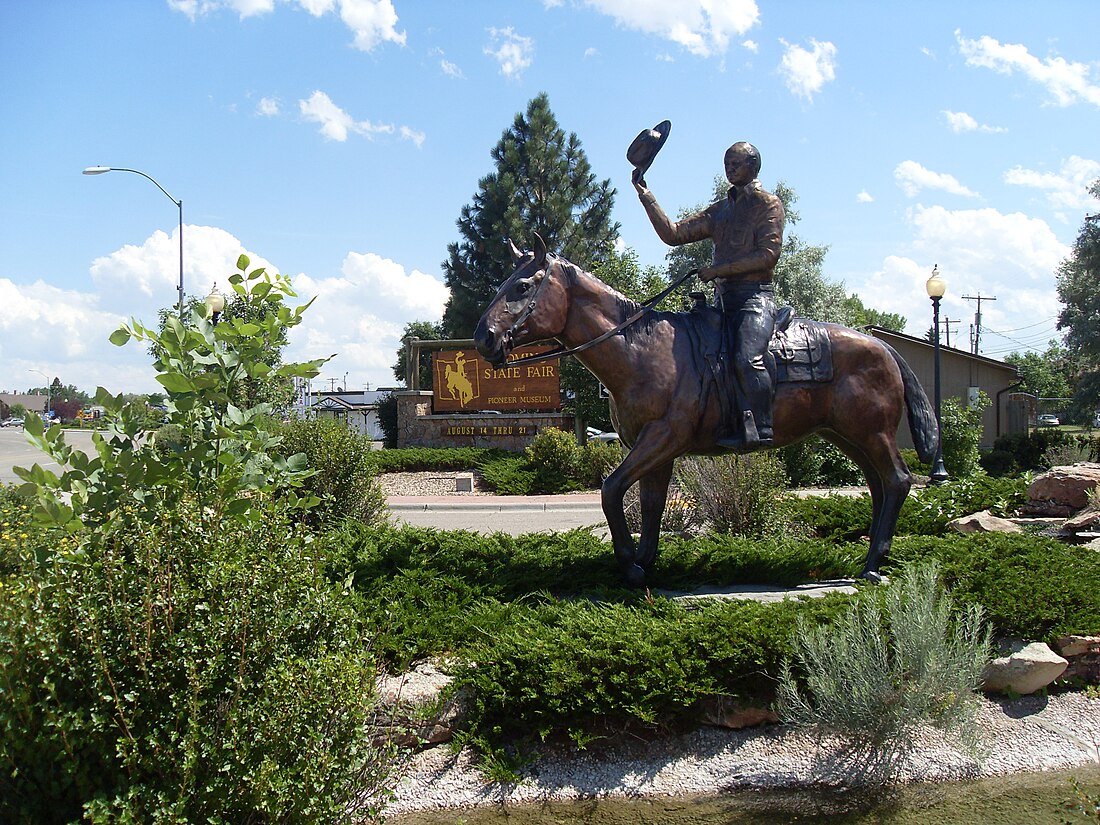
{"x": 615, "y": 330}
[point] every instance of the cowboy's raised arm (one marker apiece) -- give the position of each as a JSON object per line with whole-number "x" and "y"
{"x": 674, "y": 233}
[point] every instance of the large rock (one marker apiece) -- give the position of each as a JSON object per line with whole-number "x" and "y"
{"x": 1063, "y": 488}
{"x": 725, "y": 712}
{"x": 411, "y": 711}
{"x": 983, "y": 522}
{"x": 1024, "y": 670}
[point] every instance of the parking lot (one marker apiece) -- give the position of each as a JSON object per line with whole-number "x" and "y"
{"x": 16, "y": 452}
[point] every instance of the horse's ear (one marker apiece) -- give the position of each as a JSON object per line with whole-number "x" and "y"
{"x": 540, "y": 250}
{"x": 517, "y": 255}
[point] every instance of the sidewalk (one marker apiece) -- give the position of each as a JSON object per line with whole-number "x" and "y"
{"x": 574, "y": 501}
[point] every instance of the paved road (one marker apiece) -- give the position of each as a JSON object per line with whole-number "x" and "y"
{"x": 15, "y": 451}
{"x": 508, "y": 514}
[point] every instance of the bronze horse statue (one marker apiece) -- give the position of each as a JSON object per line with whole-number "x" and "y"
{"x": 664, "y": 405}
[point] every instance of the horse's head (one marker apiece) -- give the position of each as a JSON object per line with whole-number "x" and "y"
{"x": 526, "y": 308}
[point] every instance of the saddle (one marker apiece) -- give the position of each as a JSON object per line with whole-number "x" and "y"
{"x": 800, "y": 347}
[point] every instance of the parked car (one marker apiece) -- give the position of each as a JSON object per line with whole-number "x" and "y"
{"x": 1048, "y": 420}
{"x": 1096, "y": 421}
{"x": 600, "y": 435}
{"x": 11, "y": 422}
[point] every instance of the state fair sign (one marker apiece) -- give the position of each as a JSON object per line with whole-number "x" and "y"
{"x": 463, "y": 381}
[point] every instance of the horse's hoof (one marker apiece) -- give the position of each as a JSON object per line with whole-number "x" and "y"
{"x": 874, "y": 577}
{"x": 635, "y": 577}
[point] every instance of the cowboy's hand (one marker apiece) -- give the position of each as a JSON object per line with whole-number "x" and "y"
{"x": 637, "y": 178}
{"x": 706, "y": 273}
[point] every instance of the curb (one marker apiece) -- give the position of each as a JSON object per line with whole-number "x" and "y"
{"x": 495, "y": 504}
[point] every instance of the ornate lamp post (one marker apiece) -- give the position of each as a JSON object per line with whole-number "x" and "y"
{"x": 99, "y": 170}
{"x": 936, "y": 287}
{"x": 215, "y": 302}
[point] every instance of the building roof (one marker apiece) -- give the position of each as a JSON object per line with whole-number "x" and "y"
{"x": 884, "y": 333}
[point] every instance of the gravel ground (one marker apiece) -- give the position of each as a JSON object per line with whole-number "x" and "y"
{"x": 429, "y": 484}
{"x": 1027, "y": 734}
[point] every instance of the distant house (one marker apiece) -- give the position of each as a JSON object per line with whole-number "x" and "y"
{"x": 31, "y": 403}
{"x": 358, "y": 409}
{"x": 962, "y": 375}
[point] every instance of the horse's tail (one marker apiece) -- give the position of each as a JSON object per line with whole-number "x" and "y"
{"x": 922, "y": 418}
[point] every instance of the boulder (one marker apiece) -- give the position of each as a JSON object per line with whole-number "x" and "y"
{"x": 983, "y": 522}
{"x": 1024, "y": 670}
{"x": 1063, "y": 488}
{"x": 411, "y": 710}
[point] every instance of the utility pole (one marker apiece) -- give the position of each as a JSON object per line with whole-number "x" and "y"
{"x": 947, "y": 322}
{"x": 976, "y": 334}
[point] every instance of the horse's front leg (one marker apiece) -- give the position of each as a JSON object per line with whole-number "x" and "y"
{"x": 651, "y": 451}
{"x": 653, "y": 494}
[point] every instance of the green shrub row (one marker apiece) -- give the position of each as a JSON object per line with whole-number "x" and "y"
{"x": 1021, "y": 452}
{"x": 926, "y": 511}
{"x": 421, "y": 459}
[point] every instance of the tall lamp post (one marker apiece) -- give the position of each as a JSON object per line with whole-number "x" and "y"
{"x": 936, "y": 287}
{"x": 99, "y": 170}
{"x": 49, "y": 406}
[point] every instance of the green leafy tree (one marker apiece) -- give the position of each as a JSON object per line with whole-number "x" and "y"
{"x": 426, "y": 331}
{"x": 1045, "y": 375}
{"x": 1079, "y": 291}
{"x": 799, "y": 278}
{"x": 542, "y": 182}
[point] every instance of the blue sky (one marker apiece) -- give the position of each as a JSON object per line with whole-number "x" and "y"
{"x": 339, "y": 139}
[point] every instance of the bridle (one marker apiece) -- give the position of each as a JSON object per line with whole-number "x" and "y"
{"x": 560, "y": 351}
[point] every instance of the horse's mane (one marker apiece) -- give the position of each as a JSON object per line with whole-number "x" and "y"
{"x": 624, "y": 307}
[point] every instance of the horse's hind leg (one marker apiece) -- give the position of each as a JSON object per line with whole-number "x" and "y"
{"x": 889, "y": 480}
{"x": 653, "y": 494}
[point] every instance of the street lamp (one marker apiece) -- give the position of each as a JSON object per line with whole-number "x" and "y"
{"x": 49, "y": 407}
{"x": 215, "y": 302}
{"x": 99, "y": 170}
{"x": 935, "y": 287}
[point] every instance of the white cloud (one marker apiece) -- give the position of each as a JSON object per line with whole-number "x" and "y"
{"x": 1010, "y": 257}
{"x": 335, "y": 122}
{"x": 362, "y": 313}
{"x": 413, "y": 136}
{"x": 1066, "y": 83}
{"x": 359, "y": 313}
{"x": 703, "y": 27}
{"x": 512, "y": 51}
{"x": 1066, "y": 189}
{"x": 962, "y": 122}
{"x": 450, "y": 68}
{"x": 912, "y": 178}
{"x": 751, "y": 45}
{"x": 268, "y": 106}
{"x": 371, "y": 21}
{"x": 864, "y": 197}
{"x": 591, "y": 51}
{"x": 807, "y": 71}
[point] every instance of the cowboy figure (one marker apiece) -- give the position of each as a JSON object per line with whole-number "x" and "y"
{"x": 747, "y": 230}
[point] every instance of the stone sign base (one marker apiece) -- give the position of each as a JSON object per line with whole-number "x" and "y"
{"x": 417, "y": 426}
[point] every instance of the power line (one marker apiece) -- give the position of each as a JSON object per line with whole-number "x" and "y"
{"x": 976, "y": 335}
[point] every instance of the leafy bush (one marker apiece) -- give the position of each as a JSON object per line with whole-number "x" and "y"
{"x": 509, "y": 475}
{"x": 597, "y": 460}
{"x": 602, "y": 667}
{"x": 815, "y": 462}
{"x": 1030, "y": 587}
{"x": 171, "y": 648}
{"x": 1019, "y": 452}
{"x": 417, "y": 459}
{"x": 738, "y": 494}
{"x": 555, "y": 458}
{"x": 343, "y": 477}
{"x": 386, "y": 409}
{"x": 893, "y": 663}
{"x": 167, "y": 673}
{"x": 961, "y": 431}
{"x": 925, "y": 512}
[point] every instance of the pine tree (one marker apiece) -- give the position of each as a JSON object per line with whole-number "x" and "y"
{"x": 542, "y": 183}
